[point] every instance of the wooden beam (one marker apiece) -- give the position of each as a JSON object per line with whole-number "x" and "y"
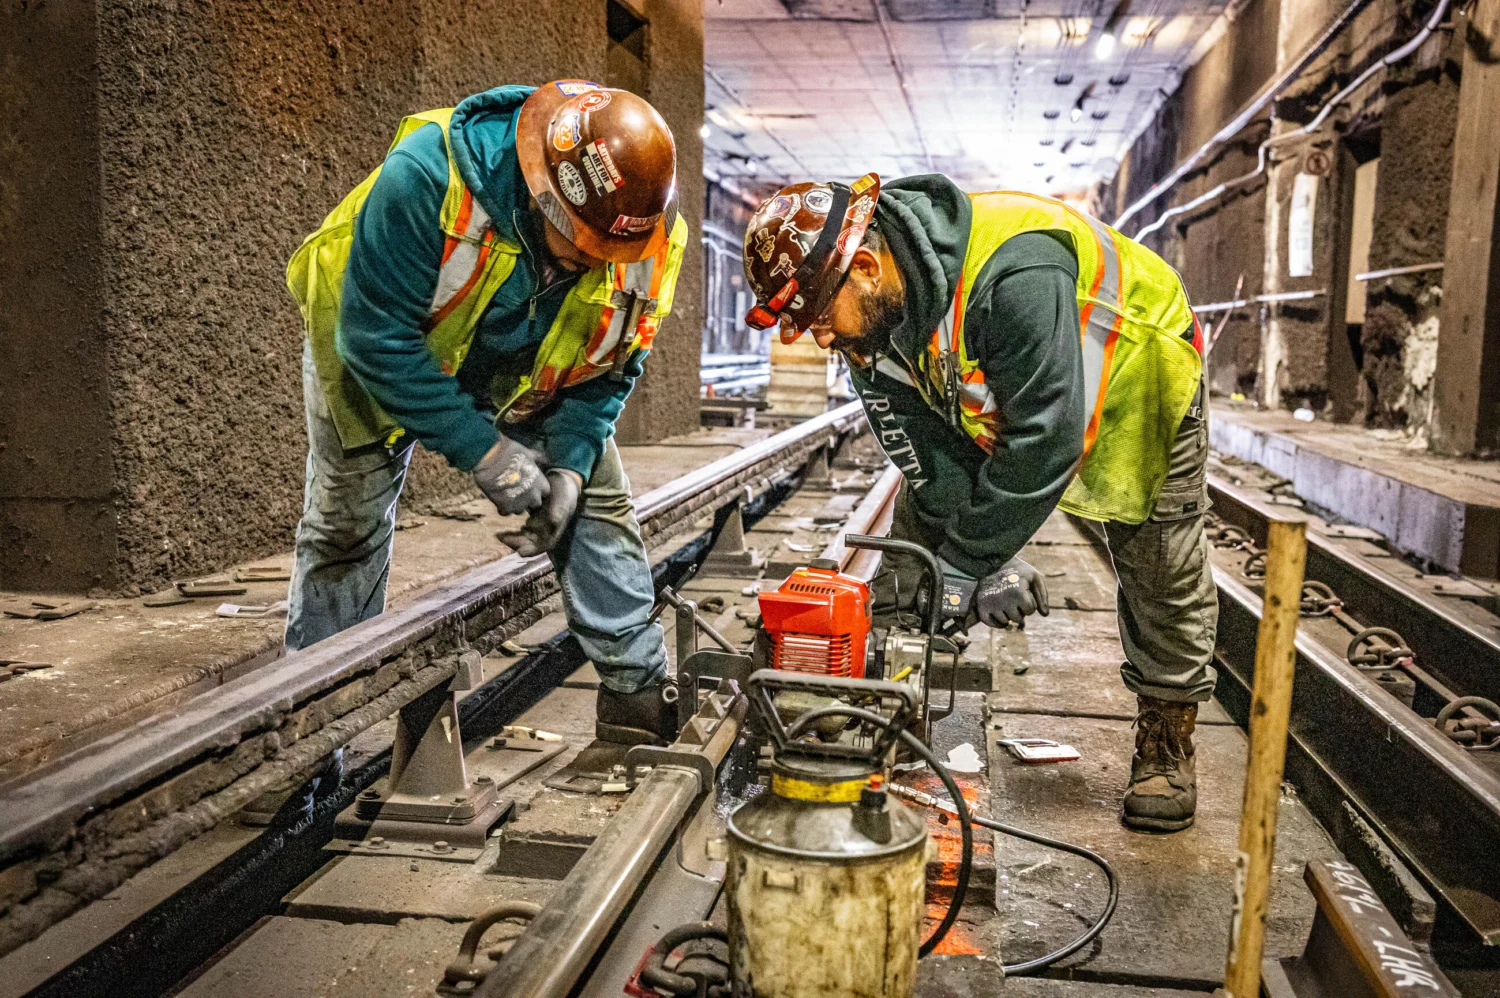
{"x": 1466, "y": 384}
{"x": 1270, "y": 712}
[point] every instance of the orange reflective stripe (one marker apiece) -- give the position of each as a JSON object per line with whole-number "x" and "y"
{"x": 465, "y": 252}
{"x": 1098, "y": 333}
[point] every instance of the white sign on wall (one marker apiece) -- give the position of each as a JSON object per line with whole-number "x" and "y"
{"x": 1299, "y": 257}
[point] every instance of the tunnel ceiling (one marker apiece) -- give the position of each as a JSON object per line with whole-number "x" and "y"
{"x": 799, "y": 88}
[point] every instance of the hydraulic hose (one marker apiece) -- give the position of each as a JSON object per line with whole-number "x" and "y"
{"x": 1031, "y": 966}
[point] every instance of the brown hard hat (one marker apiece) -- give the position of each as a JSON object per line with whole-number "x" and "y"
{"x": 795, "y": 259}
{"x": 602, "y": 167}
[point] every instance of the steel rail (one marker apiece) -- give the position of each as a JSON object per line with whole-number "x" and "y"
{"x": 40, "y": 813}
{"x": 1436, "y": 804}
{"x": 1463, "y": 655}
{"x": 558, "y": 946}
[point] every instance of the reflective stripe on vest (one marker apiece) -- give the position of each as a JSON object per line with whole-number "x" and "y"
{"x": 1100, "y": 329}
{"x": 464, "y": 257}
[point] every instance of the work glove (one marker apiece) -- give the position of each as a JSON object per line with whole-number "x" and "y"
{"x": 545, "y": 526}
{"x": 511, "y": 476}
{"x": 1009, "y": 595}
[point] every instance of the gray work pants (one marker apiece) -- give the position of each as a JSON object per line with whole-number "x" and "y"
{"x": 1168, "y": 608}
{"x": 343, "y": 555}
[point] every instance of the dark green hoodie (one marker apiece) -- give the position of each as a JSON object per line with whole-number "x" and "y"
{"x": 1021, "y": 326}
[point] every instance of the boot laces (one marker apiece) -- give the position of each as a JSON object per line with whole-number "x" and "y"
{"x": 1159, "y": 736}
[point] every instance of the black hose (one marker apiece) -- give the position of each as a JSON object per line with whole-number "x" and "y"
{"x": 965, "y": 820}
{"x": 965, "y": 826}
{"x": 1030, "y": 966}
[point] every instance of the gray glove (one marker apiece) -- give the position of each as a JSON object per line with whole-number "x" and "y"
{"x": 511, "y": 476}
{"x": 1010, "y": 594}
{"x": 545, "y": 526}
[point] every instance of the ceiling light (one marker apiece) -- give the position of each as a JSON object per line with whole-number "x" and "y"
{"x": 704, "y": 131}
{"x": 1104, "y": 47}
{"x": 1075, "y": 114}
{"x": 751, "y": 167}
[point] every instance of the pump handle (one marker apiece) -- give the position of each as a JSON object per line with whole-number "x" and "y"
{"x": 765, "y": 683}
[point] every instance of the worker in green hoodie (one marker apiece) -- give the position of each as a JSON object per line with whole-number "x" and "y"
{"x": 492, "y": 290}
{"x": 1015, "y": 356}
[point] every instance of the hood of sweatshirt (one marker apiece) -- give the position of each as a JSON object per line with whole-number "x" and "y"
{"x": 925, "y": 221}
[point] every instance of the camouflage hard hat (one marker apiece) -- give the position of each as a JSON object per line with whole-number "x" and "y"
{"x": 602, "y": 167}
{"x": 797, "y": 250}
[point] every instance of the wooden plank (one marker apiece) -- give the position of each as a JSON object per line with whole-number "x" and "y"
{"x": 1465, "y": 382}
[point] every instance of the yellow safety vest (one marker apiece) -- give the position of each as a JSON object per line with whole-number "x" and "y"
{"x": 1139, "y": 373}
{"x": 588, "y": 338}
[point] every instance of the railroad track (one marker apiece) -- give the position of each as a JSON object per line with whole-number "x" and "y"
{"x": 1395, "y": 736}
{"x": 83, "y": 825}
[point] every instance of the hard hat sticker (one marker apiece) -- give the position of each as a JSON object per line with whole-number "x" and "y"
{"x": 575, "y": 87}
{"x": 630, "y": 225}
{"x": 571, "y": 182}
{"x": 783, "y": 206}
{"x": 765, "y": 243}
{"x": 784, "y": 265}
{"x": 566, "y": 132}
{"x": 818, "y": 200}
{"x": 601, "y": 168}
{"x": 594, "y": 101}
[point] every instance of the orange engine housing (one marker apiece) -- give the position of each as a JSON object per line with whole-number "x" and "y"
{"x": 817, "y": 622}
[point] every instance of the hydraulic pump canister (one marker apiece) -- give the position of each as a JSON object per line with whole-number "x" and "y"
{"x": 826, "y": 880}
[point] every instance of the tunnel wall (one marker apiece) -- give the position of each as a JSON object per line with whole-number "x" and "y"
{"x": 1296, "y": 353}
{"x": 160, "y": 160}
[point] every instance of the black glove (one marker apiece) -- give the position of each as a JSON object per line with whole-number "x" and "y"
{"x": 511, "y": 476}
{"x": 1010, "y": 594}
{"x": 547, "y": 522}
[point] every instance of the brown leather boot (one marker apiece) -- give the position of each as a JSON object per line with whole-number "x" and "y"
{"x": 1163, "y": 794}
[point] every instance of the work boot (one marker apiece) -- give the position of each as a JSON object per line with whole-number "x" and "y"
{"x": 646, "y": 717}
{"x": 1163, "y": 792}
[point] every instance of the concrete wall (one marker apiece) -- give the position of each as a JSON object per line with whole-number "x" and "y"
{"x": 1296, "y": 353}
{"x": 159, "y": 161}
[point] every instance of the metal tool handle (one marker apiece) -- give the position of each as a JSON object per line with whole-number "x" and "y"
{"x": 765, "y": 683}
{"x": 929, "y": 560}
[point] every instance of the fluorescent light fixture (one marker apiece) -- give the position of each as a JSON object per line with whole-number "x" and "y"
{"x": 1075, "y": 114}
{"x": 1105, "y": 46}
{"x": 704, "y": 131}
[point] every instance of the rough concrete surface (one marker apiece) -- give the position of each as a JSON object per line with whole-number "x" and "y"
{"x": 1411, "y": 225}
{"x": 310, "y": 958}
{"x": 181, "y": 152}
{"x": 1071, "y": 661}
{"x": 1176, "y": 890}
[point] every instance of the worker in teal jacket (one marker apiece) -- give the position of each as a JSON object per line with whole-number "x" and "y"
{"x": 468, "y": 295}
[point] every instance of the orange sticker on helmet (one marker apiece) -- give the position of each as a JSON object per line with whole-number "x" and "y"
{"x": 565, "y": 133}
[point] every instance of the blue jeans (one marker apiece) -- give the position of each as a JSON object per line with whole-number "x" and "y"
{"x": 343, "y": 557}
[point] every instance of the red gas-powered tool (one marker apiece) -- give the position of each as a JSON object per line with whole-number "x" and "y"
{"x": 817, "y": 621}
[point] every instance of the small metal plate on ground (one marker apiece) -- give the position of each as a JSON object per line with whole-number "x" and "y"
{"x": 591, "y": 769}
{"x": 418, "y": 839}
